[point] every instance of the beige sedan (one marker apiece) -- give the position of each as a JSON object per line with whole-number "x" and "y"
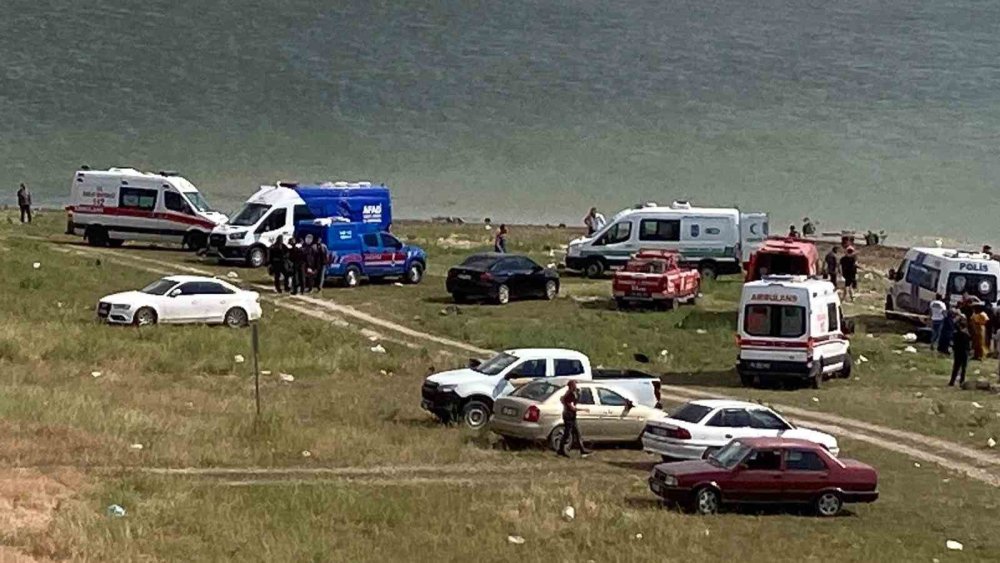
{"x": 534, "y": 413}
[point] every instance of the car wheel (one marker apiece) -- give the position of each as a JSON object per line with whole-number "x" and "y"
{"x": 816, "y": 378}
{"x": 621, "y": 303}
{"x": 503, "y": 294}
{"x": 845, "y": 372}
{"x": 414, "y": 273}
{"x": 555, "y": 437}
{"x": 475, "y": 414}
{"x": 551, "y": 290}
{"x": 115, "y": 242}
{"x": 594, "y": 268}
{"x": 829, "y": 504}
{"x": 196, "y": 240}
{"x": 707, "y": 270}
{"x": 746, "y": 379}
{"x": 236, "y": 317}
{"x": 706, "y": 501}
{"x": 144, "y": 317}
{"x": 256, "y": 257}
{"x": 97, "y": 236}
{"x": 352, "y": 277}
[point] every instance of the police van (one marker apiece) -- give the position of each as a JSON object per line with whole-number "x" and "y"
{"x": 926, "y": 272}
{"x": 274, "y": 211}
{"x": 713, "y": 240}
{"x": 791, "y": 329}
{"x": 108, "y": 207}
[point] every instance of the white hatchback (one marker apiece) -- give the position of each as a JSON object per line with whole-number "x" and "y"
{"x": 701, "y": 427}
{"x": 182, "y": 299}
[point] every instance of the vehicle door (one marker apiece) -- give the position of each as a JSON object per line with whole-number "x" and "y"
{"x": 274, "y": 225}
{"x": 216, "y": 299}
{"x": 520, "y": 374}
{"x": 661, "y": 234}
{"x": 617, "y": 421}
{"x": 727, "y": 424}
{"x": 758, "y": 478}
{"x": 588, "y": 416}
{"x": 376, "y": 261}
{"x": 138, "y": 215}
{"x": 506, "y": 272}
{"x": 765, "y": 423}
{"x": 530, "y": 277}
{"x": 753, "y": 234}
{"x": 806, "y": 472}
{"x": 831, "y": 347}
{"x": 918, "y": 287}
{"x": 617, "y": 243}
{"x": 185, "y": 303}
{"x": 393, "y": 249}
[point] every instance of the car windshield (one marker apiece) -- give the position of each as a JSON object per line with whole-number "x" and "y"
{"x": 690, "y": 412}
{"x": 197, "y": 201}
{"x": 159, "y": 287}
{"x": 249, "y": 215}
{"x": 536, "y": 391}
{"x": 496, "y": 364}
{"x": 730, "y": 455}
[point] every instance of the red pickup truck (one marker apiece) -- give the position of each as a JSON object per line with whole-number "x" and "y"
{"x": 654, "y": 276}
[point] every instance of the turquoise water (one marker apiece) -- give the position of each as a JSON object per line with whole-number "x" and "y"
{"x": 861, "y": 113}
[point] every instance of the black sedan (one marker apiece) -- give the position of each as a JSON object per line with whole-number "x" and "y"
{"x": 500, "y": 278}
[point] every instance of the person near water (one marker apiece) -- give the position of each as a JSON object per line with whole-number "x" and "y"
{"x": 961, "y": 352}
{"x": 278, "y": 256}
{"x": 808, "y": 227}
{"x": 500, "y": 241}
{"x": 832, "y": 265}
{"x": 792, "y": 233}
{"x": 322, "y": 260}
{"x": 977, "y": 328}
{"x": 594, "y": 221}
{"x": 24, "y": 203}
{"x": 938, "y": 311}
{"x": 571, "y": 433}
{"x": 849, "y": 270}
{"x": 297, "y": 256}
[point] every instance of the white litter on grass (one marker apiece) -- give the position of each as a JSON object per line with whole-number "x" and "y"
{"x": 238, "y": 358}
{"x": 135, "y": 447}
{"x": 862, "y": 359}
{"x": 36, "y": 265}
{"x": 910, "y": 350}
{"x": 265, "y": 372}
{"x": 869, "y": 276}
{"x": 954, "y": 545}
{"x": 664, "y": 352}
{"x": 306, "y": 453}
{"x": 569, "y": 513}
{"x": 398, "y": 284}
{"x": 897, "y": 351}
{"x": 701, "y": 331}
{"x": 972, "y": 434}
{"x": 489, "y": 228}
{"x": 638, "y": 536}
{"x": 116, "y": 511}
{"x": 977, "y": 405}
{"x": 918, "y": 395}
{"x": 815, "y": 399}
{"x": 870, "y": 335}
{"x": 551, "y": 265}
{"x": 977, "y": 372}
{"x": 516, "y": 540}
{"x": 95, "y": 374}
{"x": 552, "y": 253}
{"x": 915, "y": 464}
{"x": 991, "y": 443}
{"x": 286, "y": 377}
{"x": 59, "y": 304}
{"x": 373, "y": 338}
{"x": 909, "y": 337}
{"x": 378, "y": 349}
{"x": 232, "y": 275}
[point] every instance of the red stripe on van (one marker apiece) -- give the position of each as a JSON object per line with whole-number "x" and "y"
{"x": 125, "y": 212}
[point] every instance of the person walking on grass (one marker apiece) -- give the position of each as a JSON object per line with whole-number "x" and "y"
{"x": 570, "y": 429}
{"x": 977, "y": 325}
{"x": 938, "y": 311}
{"x": 309, "y": 271}
{"x": 278, "y": 255}
{"x": 24, "y": 203}
{"x": 297, "y": 256}
{"x": 322, "y": 260}
{"x": 832, "y": 265}
{"x": 500, "y": 241}
{"x": 960, "y": 352}
{"x": 849, "y": 270}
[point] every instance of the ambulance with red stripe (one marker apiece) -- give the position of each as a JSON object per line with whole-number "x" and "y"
{"x": 791, "y": 329}
{"x": 109, "y": 207}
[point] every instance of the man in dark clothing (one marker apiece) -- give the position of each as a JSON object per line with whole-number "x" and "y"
{"x": 947, "y": 332}
{"x": 297, "y": 255}
{"x": 849, "y": 269}
{"x": 570, "y": 429}
{"x": 792, "y": 232}
{"x": 808, "y": 227}
{"x": 831, "y": 265}
{"x": 322, "y": 259}
{"x": 500, "y": 242}
{"x": 278, "y": 254}
{"x": 961, "y": 341}
{"x": 309, "y": 273}
{"x": 24, "y": 203}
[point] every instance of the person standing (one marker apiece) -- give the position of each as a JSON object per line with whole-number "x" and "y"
{"x": 278, "y": 255}
{"x": 322, "y": 261}
{"x": 849, "y": 269}
{"x": 938, "y": 311}
{"x": 977, "y": 325}
{"x": 24, "y": 203}
{"x": 309, "y": 272}
{"x": 808, "y": 227}
{"x": 570, "y": 430}
{"x": 594, "y": 221}
{"x": 960, "y": 353}
{"x": 500, "y": 241}
{"x": 831, "y": 265}
{"x": 947, "y": 332}
{"x": 792, "y": 232}
{"x": 297, "y": 256}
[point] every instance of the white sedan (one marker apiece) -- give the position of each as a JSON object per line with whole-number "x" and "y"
{"x": 701, "y": 427}
{"x": 182, "y": 299}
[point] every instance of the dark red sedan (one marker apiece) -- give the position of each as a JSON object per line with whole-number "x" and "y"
{"x": 766, "y": 470}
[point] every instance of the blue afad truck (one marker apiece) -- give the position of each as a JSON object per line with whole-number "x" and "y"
{"x": 362, "y": 250}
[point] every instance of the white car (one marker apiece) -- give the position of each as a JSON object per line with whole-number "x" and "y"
{"x": 700, "y": 427}
{"x": 182, "y": 299}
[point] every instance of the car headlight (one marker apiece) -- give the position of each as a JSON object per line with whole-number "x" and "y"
{"x": 447, "y": 388}
{"x": 121, "y": 306}
{"x": 238, "y": 236}
{"x": 573, "y": 250}
{"x": 670, "y": 481}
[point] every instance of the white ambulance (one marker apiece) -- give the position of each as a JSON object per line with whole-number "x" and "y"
{"x": 791, "y": 328}
{"x": 108, "y": 207}
{"x": 926, "y": 272}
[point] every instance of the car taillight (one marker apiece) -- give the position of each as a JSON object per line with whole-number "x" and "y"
{"x": 486, "y": 276}
{"x": 679, "y": 433}
{"x": 532, "y": 414}
{"x": 810, "y": 344}
{"x": 739, "y": 341}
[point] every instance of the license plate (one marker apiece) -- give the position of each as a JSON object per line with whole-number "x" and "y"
{"x": 464, "y": 276}
{"x": 426, "y": 405}
{"x": 655, "y": 486}
{"x": 760, "y": 365}
{"x": 508, "y": 411}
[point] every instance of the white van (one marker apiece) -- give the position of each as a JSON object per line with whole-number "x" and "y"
{"x": 268, "y": 214}
{"x": 108, "y": 207}
{"x": 791, "y": 328}
{"x": 715, "y": 240}
{"x": 926, "y": 272}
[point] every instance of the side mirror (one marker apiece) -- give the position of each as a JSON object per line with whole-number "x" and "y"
{"x": 629, "y": 405}
{"x": 174, "y": 292}
{"x": 474, "y": 363}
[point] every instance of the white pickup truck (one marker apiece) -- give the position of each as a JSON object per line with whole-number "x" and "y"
{"x": 468, "y": 393}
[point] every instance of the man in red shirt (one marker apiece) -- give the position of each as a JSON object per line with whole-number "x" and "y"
{"x": 570, "y": 429}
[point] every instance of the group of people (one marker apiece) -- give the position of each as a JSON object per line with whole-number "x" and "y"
{"x": 299, "y": 266}
{"x": 970, "y": 327}
{"x": 808, "y": 229}
{"x": 846, "y": 266}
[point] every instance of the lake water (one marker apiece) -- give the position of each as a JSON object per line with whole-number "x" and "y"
{"x": 862, "y": 113}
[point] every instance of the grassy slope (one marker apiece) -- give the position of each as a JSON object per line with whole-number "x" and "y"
{"x": 178, "y": 391}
